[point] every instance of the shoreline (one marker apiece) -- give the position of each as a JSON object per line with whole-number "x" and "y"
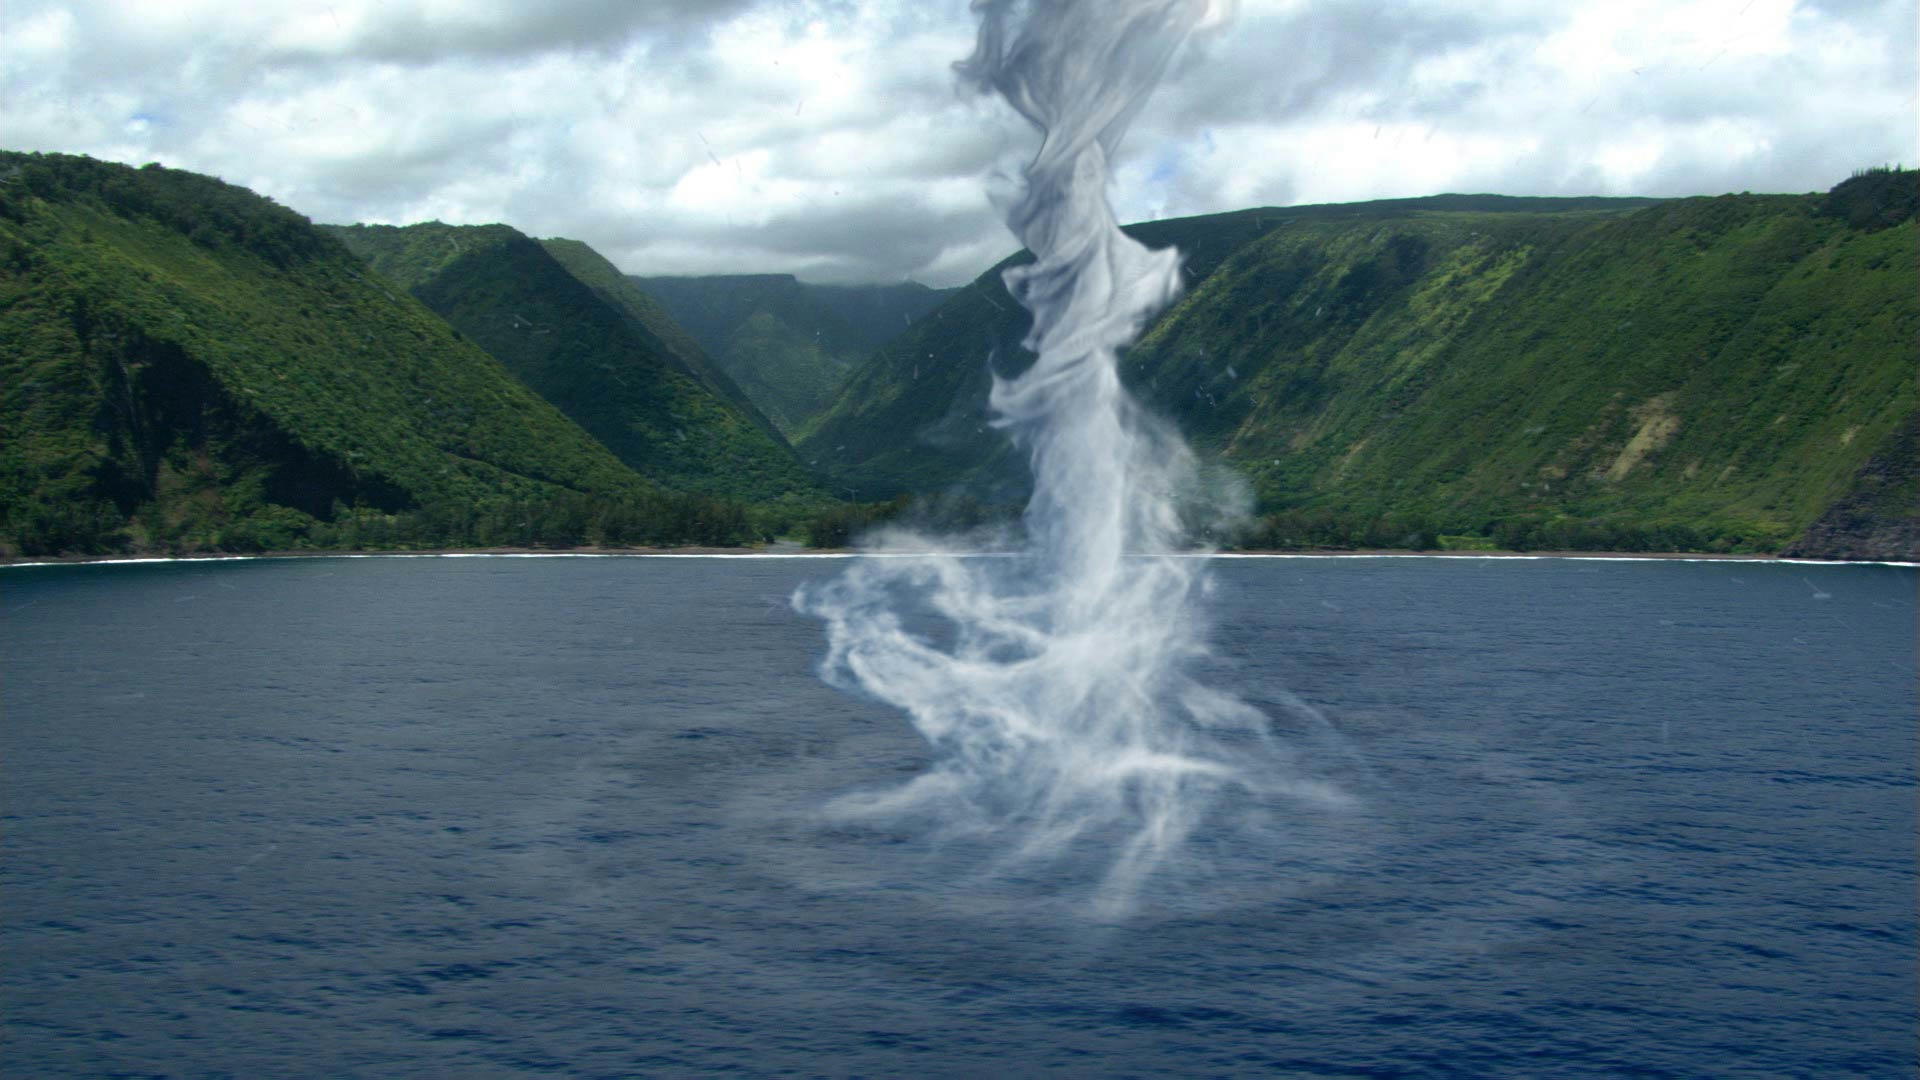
{"x": 400, "y": 553}
{"x": 789, "y": 550}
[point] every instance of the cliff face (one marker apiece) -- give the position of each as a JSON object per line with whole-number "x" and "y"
{"x": 1709, "y": 374}
{"x": 1879, "y": 517}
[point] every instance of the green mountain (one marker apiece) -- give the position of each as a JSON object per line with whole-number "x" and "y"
{"x": 1714, "y": 373}
{"x": 582, "y": 341}
{"x": 789, "y": 345}
{"x": 185, "y": 365}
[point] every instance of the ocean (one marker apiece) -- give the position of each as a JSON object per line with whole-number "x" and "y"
{"x": 562, "y": 816}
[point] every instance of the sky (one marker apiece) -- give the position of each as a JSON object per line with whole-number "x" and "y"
{"x": 829, "y": 138}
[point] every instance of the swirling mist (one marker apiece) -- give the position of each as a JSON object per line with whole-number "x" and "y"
{"x": 1055, "y": 684}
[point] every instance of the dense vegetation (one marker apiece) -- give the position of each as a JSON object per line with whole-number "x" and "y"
{"x": 788, "y": 344}
{"x": 187, "y": 366}
{"x": 1699, "y": 374}
{"x": 589, "y": 356}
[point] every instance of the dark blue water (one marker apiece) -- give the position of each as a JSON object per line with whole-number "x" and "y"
{"x": 480, "y": 817}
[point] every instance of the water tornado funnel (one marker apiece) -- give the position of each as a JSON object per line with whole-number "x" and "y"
{"x": 1071, "y": 739}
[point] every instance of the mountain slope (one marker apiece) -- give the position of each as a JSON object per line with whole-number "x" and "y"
{"x": 585, "y": 353}
{"x": 789, "y": 345}
{"x": 1711, "y": 371}
{"x": 186, "y": 364}
{"x": 1581, "y": 373}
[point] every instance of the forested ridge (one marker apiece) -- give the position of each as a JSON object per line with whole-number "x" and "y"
{"x": 186, "y": 366}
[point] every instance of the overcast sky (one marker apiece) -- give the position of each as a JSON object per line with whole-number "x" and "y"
{"x": 827, "y": 138}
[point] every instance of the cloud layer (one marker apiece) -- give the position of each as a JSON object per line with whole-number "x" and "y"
{"x": 827, "y": 138}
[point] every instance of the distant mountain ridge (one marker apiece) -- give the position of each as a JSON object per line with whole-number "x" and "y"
{"x": 786, "y": 343}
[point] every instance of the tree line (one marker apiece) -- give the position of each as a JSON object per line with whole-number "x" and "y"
{"x": 1323, "y": 529}
{"x": 38, "y": 528}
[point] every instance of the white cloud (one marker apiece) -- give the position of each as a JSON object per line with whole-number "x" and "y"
{"x": 828, "y": 138}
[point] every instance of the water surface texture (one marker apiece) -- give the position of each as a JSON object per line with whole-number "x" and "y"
{"x": 500, "y": 816}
